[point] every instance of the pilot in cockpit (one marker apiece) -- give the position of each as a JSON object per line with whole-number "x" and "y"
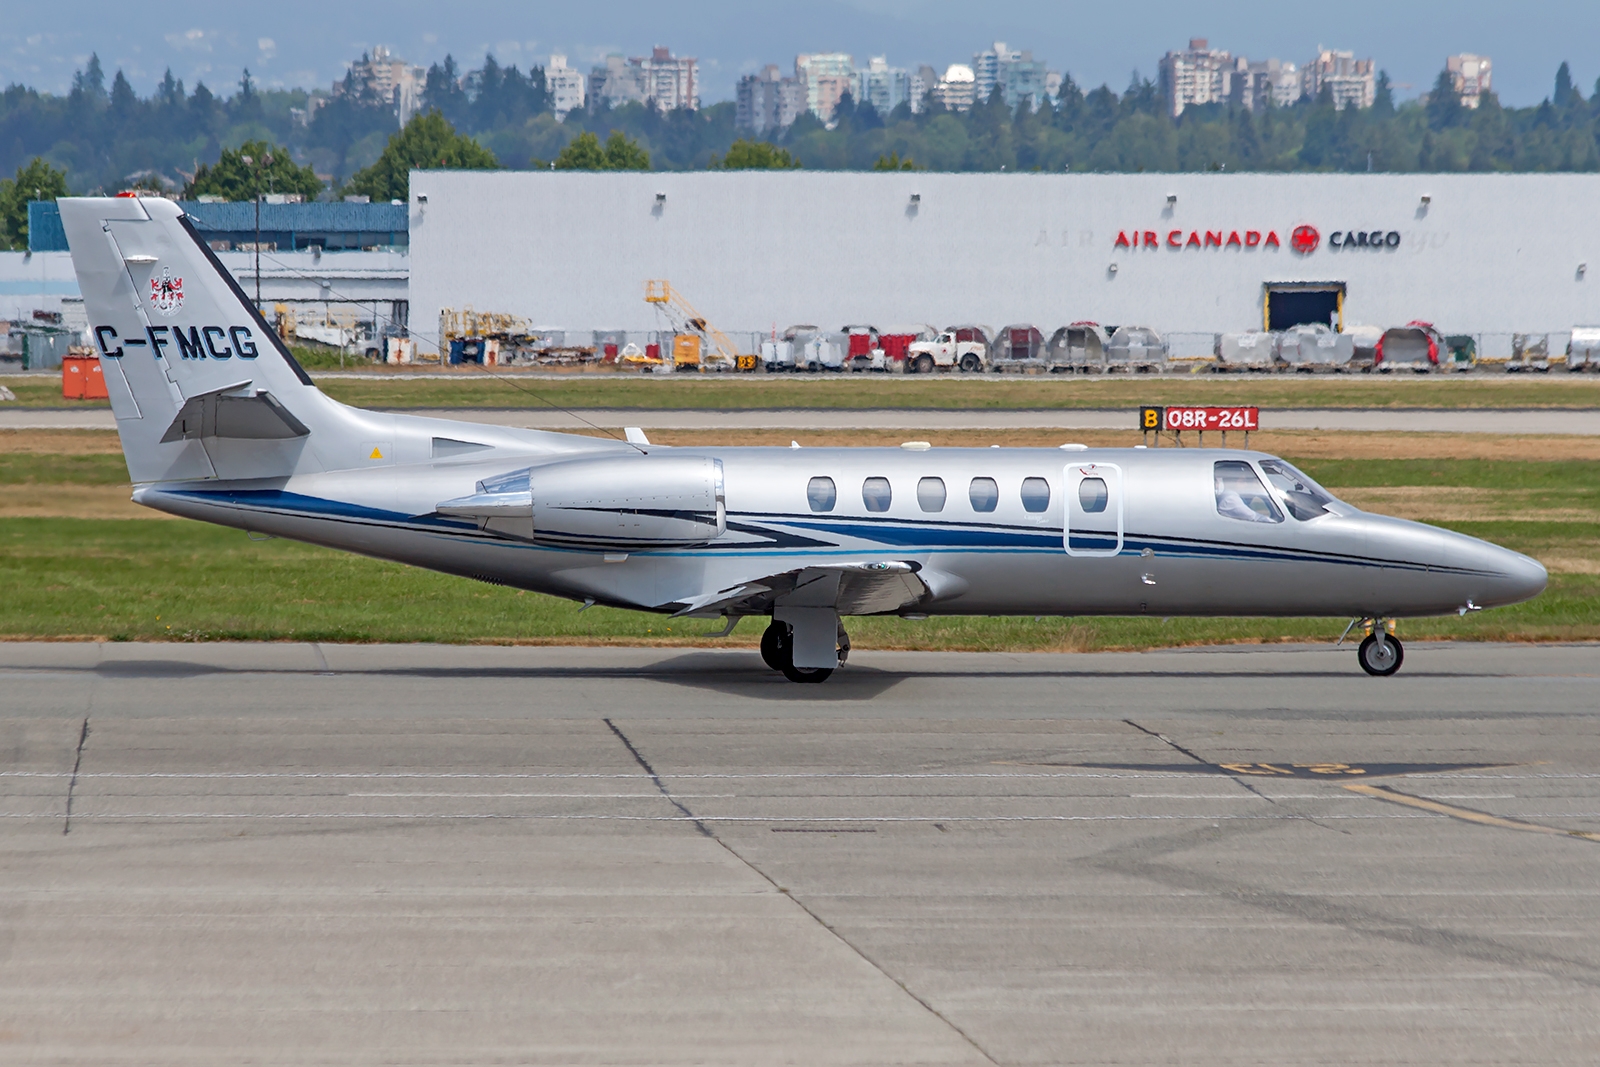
{"x": 1240, "y": 494}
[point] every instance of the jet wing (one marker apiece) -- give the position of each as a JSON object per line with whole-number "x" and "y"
{"x": 868, "y": 588}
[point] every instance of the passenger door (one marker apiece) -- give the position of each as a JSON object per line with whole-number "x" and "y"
{"x": 1092, "y": 511}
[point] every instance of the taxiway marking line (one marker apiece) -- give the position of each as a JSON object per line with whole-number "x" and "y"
{"x": 1378, "y": 792}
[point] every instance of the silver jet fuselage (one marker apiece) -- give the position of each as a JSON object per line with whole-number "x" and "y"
{"x": 1177, "y": 554}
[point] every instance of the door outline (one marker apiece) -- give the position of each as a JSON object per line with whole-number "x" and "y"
{"x": 1075, "y": 474}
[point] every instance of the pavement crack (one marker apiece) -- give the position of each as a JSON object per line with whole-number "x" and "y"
{"x": 638, "y": 758}
{"x": 789, "y": 895}
{"x": 1164, "y": 739}
{"x": 72, "y": 783}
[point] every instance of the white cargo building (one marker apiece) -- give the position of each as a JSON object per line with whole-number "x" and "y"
{"x": 1183, "y": 253}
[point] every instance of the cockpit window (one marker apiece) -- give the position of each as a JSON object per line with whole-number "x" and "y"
{"x": 821, "y": 494}
{"x": 1304, "y": 498}
{"x": 1240, "y": 494}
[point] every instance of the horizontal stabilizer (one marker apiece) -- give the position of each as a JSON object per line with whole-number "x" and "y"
{"x": 234, "y": 411}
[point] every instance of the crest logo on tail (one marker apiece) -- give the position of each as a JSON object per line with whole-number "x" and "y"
{"x": 166, "y": 293}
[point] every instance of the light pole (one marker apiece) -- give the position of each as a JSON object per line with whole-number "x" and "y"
{"x": 266, "y": 161}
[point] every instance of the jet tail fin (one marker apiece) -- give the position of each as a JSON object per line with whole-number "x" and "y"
{"x": 200, "y": 385}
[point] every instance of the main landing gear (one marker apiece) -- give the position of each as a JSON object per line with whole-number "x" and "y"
{"x": 777, "y": 649}
{"x": 1381, "y": 652}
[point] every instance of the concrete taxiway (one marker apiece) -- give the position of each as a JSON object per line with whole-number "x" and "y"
{"x": 364, "y": 854}
{"x": 1584, "y": 422}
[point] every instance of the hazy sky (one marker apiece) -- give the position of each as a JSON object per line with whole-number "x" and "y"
{"x": 305, "y": 43}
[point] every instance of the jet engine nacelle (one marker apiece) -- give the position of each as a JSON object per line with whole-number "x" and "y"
{"x": 615, "y": 503}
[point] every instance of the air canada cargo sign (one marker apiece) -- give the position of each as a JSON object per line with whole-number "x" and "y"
{"x": 1301, "y": 239}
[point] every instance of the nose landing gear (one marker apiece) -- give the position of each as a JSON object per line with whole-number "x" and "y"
{"x": 1381, "y": 652}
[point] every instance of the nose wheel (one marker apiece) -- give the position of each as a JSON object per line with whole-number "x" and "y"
{"x": 1381, "y": 654}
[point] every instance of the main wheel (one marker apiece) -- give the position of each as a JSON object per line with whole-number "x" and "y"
{"x": 807, "y": 674}
{"x": 1381, "y": 654}
{"x": 774, "y": 642}
{"x": 971, "y": 364}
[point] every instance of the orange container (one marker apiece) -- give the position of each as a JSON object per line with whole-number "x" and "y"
{"x": 81, "y": 378}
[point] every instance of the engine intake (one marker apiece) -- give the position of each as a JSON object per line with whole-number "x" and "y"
{"x": 613, "y": 503}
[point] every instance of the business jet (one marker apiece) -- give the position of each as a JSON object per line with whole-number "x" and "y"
{"x": 219, "y": 423}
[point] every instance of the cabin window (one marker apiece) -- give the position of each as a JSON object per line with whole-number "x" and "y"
{"x": 1093, "y": 495}
{"x": 984, "y": 494}
{"x": 821, "y": 494}
{"x": 1035, "y": 495}
{"x": 930, "y": 494}
{"x": 1304, "y": 498}
{"x": 1240, "y": 494}
{"x": 876, "y": 494}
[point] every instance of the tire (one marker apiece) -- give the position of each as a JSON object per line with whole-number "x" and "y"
{"x": 1381, "y": 654}
{"x": 970, "y": 363}
{"x": 777, "y": 650}
{"x": 804, "y": 674}
{"x": 772, "y": 641}
{"x": 924, "y": 364}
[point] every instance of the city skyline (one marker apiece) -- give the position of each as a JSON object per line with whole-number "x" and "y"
{"x": 1092, "y": 44}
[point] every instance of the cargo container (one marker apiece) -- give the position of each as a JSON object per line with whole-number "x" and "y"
{"x": 1583, "y": 351}
{"x": 1079, "y": 347}
{"x": 1414, "y": 346}
{"x": 1019, "y": 346}
{"x": 862, "y": 352}
{"x": 1246, "y": 350}
{"x": 82, "y": 379}
{"x": 777, "y": 356}
{"x": 1136, "y": 348}
{"x": 686, "y": 351}
{"x": 1314, "y": 347}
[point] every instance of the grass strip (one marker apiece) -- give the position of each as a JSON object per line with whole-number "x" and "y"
{"x": 182, "y": 580}
{"x": 476, "y": 389}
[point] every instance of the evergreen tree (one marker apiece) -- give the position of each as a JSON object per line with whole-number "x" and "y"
{"x": 253, "y": 169}
{"x": 755, "y": 155}
{"x": 37, "y": 180}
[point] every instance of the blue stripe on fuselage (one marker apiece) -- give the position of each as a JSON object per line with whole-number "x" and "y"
{"x": 891, "y": 533}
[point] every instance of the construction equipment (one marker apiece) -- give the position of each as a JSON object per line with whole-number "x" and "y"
{"x": 713, "y": 349}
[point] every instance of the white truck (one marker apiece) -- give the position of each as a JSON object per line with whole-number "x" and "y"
{"x": 946, "y": 352}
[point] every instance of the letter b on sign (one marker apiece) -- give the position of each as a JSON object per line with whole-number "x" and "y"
{"x": 1149, "y": 419}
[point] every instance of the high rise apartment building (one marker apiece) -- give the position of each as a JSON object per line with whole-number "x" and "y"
{"x": 1016, "y": 74}
{"x": 958, "y": 88}
{"x": 1197, "y": 75}
{"x": 768, "y": 102}
{"x": 885, "y": 87}
{"x": 671, "y": 82}
{"x": 661, "y": 79}
{"x": 387, "y": 78}
{"x": 1470, "y": 75}
{"x": 827, "y": 76}
{"x": 1349, "y": 80}
{"x": 565, "y": 85}
{"x": 1204, "y": 75}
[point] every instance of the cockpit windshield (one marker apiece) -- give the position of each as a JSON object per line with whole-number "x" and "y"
{"x": 1240, "y": 494}
{"x": 1304, "y": 498}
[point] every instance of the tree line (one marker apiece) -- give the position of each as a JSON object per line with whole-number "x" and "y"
{"x": 108, "y": 138}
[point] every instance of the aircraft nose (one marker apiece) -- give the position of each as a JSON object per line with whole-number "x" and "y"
{"x": 1525, "y": 576}
{"x": 1510, "y": 576}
